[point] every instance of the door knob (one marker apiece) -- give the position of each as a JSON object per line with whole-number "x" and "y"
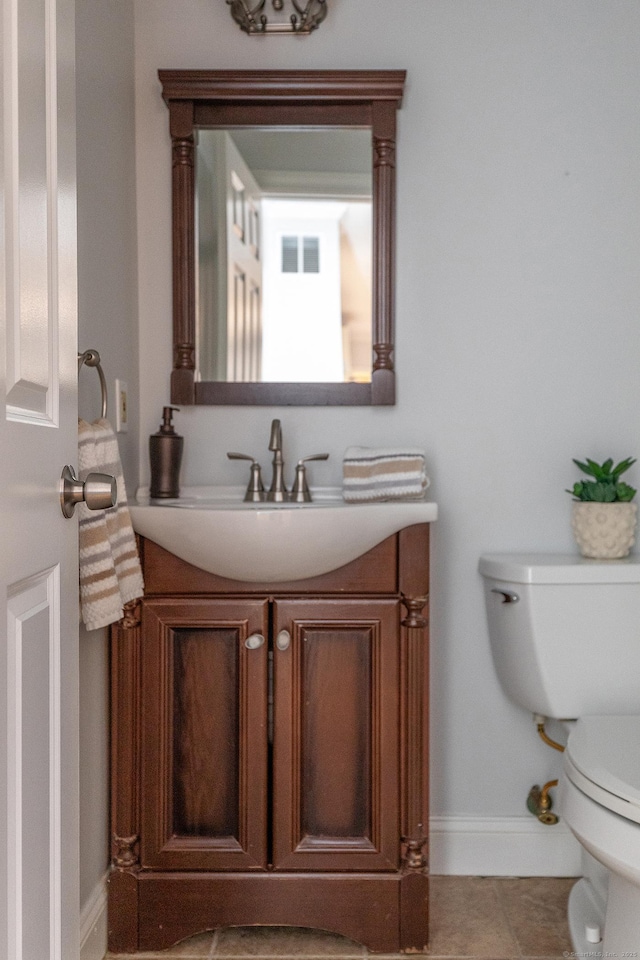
{"x": 254, "y": 641}
{"x": 99, "y": 491}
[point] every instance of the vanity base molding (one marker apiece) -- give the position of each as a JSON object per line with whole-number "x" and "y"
{"x": 269, "y": 752}
{"x": 378, "y": 911}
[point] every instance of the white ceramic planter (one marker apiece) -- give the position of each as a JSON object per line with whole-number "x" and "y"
{"x": 604, "y": 531}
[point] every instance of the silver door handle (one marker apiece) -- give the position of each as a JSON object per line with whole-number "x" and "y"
{"x": 99, "y": 491}
{"x": 254, "y": 641}
{"x": 283, "y": 640}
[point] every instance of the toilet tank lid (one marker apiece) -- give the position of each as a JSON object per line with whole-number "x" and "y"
{"x": 558, "y": 568}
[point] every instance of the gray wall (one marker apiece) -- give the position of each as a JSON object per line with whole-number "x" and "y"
{"x": 107, "y": 312}
{"x": 518, "y": 300}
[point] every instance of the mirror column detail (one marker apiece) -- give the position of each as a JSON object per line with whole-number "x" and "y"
{"x": 384, "y": 172}
{"x": 183, "y": 216}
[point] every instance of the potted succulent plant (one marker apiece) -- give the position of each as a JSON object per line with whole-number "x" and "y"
{"x": 604, "y": 519}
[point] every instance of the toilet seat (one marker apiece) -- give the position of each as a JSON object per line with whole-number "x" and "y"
{"x": 602, "y": 759}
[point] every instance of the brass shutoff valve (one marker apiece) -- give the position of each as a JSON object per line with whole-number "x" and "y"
{"x": 539, "y": 803}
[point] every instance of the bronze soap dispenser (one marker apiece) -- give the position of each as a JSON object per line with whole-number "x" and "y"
{"x": 165, "y": 454}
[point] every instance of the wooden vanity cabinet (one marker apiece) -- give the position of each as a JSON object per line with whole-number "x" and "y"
{"x": 269, "y": 752}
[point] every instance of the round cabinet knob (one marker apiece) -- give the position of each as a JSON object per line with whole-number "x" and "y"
{"x": 283, "y": 640}
{"x": 99, "y": 491}
{"x": 254, "y": 641}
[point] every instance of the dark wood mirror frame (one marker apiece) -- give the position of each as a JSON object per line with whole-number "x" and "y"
{"x": 299, "y": 99}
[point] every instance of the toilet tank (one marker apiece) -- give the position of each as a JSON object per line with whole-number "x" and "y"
{"x": 565, "y": 632}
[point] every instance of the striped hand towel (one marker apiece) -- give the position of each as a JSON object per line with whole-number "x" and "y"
{"x": 383, "y": 473}
{"x": 110, "y": 573}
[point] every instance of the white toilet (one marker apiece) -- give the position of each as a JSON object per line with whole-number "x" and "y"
{"x": 565, "y": 637}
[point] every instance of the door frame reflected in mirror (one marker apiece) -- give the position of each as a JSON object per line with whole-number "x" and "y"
{"x": 309, "y": 99}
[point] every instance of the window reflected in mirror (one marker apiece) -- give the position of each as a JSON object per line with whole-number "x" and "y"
{"x": 284, "y": 256}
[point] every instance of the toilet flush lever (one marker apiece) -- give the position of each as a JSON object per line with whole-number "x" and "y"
{"x": 508, "y": 596}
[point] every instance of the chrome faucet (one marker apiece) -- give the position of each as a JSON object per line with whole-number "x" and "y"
{"x": 277, "y": 491}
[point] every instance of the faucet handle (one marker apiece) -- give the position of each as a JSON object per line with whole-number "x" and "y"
{"x": 255, "y": 491}
{"x": 314, "y": 456}
{"x": 300, "y": 491}
{"x": 275, "y": 438}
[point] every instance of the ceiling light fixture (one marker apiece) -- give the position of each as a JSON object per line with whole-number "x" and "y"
{"x": 308, "y": 15}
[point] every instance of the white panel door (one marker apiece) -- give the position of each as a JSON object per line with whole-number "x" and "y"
{"x": 244, "y": 270}
{"x": 38, "y": 547}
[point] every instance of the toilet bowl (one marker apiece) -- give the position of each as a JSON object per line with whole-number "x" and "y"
{"x": 600, "y": 800}
{"x": 565, "y": 638}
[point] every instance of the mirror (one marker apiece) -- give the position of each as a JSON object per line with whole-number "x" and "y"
{"x": 283, "y": 235}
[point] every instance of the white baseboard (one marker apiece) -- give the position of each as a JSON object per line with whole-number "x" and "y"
{"x": 502, "y": 847}
{"x": 93, "y": 923}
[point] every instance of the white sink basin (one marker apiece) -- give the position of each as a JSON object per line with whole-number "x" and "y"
{"x": 268, "y": 542}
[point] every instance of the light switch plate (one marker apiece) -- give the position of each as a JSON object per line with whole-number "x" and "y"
{"x": 122, "y": 407}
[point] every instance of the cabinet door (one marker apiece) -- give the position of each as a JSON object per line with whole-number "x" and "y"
{"x": 204, "y": 712}
{"x": 335, "y": 738}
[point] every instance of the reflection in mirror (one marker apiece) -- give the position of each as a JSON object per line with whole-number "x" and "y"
{"x": 284, "y": 255}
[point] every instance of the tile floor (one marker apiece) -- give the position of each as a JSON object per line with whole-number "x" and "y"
{"x": 475, "y": 918}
